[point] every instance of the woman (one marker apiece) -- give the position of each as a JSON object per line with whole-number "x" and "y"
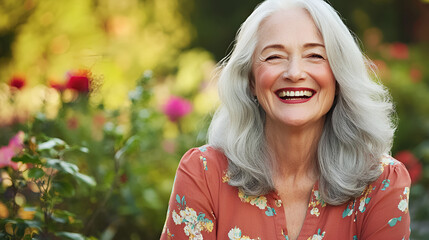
{"x": 297, "y": 149}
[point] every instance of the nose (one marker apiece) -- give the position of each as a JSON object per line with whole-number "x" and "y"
{"x": 294, "y": 71}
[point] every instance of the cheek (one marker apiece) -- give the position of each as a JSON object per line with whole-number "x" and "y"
{"x": 265, "y": 77}
{"x": 325, "y": 79}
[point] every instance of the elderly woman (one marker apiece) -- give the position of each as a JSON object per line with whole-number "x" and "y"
{"x": 297, "y": 149}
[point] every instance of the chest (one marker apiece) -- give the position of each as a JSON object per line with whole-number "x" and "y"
{"x": 296, "y": 204}
{"x": 278, "y": 218}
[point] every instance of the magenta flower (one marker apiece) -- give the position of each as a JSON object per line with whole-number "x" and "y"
{"x": 16, "y": 144}
{"x": 176, "y": 108}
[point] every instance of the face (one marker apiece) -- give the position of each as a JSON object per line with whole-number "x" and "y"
{"x": 292, "y": 78}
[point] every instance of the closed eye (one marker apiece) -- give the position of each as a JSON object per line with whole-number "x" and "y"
{"x": 273, "y": 57}
{"x": 316, "y": 56}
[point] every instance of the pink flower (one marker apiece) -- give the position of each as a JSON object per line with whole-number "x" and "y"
{"x": 176, "y": 108}
{"x": 399, "y": 51}
{"x": 78, "y": 81}
{"x": 17, "y": 82}
{"x": 8, "y": 152}
{"x": 412, "y": 164}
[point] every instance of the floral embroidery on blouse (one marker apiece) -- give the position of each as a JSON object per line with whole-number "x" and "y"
{"x": 258, "y": 201}
{"x": 349, "y": 209}
{"x": 403, "y": 204}
{"x": 316, "y": 202}
{"x": 386, "y": 160}
{"x": 194, "y": 223}
{"x": 284, "y": 235}
{"x": 204, "y": 162}
{"x": 318, "y": 236}
{"x": 365, "y": 199}
{"x": 165, "y": 223}
{"x": 235, "y": 234}
{"x": 225, "y": 177}
{"x": 278, "y": 203}
{"x": 392, "y": 222}
{"x": 169, "y": 235}
{"x": 385, "y": 183}
{"x": 202, "y": 149}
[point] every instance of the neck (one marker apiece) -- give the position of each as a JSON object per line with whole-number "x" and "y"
{"x": 294, "y": 150}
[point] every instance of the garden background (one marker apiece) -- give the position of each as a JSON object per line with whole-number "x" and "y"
{"x": 99, "y": 100}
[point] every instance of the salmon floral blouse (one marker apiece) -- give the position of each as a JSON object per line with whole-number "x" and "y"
{"x": 204, "y": 206}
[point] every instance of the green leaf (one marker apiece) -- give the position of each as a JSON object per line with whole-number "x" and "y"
{"x": 130, "y": 145}
{"x": 63, "y": 166}
{"x": 27, "y": 158}
{"x": 35, "y": 173}
{"x": 63, "y": 188}
{"x": 85, "y": 179}
{"x": 77, "y": 148}
{"x": 33, "y": 224}
{"x": 70, "y": 235}
{"x": 52, "y": 143}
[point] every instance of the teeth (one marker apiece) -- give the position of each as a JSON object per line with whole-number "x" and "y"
{"x": 308, "y": 93}
{"x": 295, "y": 93}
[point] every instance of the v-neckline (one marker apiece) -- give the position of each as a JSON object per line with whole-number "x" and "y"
{"x": 307, "y": 224}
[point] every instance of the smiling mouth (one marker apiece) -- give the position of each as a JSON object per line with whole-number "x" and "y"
{"x": 292, "y": 95}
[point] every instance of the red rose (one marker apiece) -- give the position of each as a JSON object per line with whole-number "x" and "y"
{"x": 78, "y": 81}
{"x": 412, "y": 164}
{"x": 399, "y": 51}
{"x": 17, "y": 82}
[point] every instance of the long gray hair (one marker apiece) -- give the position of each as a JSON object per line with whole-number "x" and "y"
{"x": 358, "y": 129}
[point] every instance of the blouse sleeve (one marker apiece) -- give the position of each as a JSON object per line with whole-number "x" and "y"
{"x": 388, "y": 216}
{"x": 190, "y": 211}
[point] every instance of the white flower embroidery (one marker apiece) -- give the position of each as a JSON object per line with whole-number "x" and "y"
{"x": 176, "y": 218}
{"x": 235, "y": 234}
{"x": 403, "y": 205}
{"x": 318, "y": 236}
{"x": 406, "y": 191}
{"x": 315, "y": 211}
{"x": 361, "y": 206}
{"x": 258, "y": 201}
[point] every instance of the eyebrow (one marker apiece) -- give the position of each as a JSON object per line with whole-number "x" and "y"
{"x": 281, "y": 47}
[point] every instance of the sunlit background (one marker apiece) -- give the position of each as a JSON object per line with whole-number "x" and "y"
{"x": 100, "y": 99}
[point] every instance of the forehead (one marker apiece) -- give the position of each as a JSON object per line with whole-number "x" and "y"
{"x": 294, "y": 24}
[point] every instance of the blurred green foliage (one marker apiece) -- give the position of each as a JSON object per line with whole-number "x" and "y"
{"x": 111, "y": 153}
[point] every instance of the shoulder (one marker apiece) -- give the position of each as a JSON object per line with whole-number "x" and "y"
{"x": 393, "y": 170}
{"x": 392, "y": 184}
{"x": 384, "y": 203}
{"x": 205, "y": 160}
